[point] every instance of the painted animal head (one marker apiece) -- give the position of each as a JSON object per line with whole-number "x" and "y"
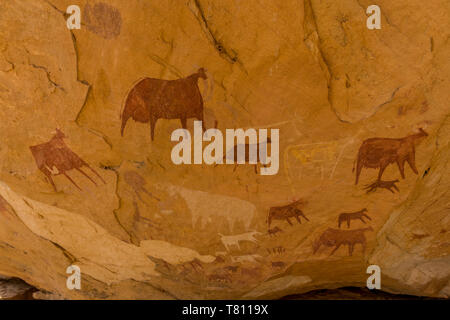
{"x": 202, "y": 73}
{"x": 59, "y": 134}
{"x": 423, "y": 132}
{"x": 298, "y": 202}
{"x": 419, "y": 136}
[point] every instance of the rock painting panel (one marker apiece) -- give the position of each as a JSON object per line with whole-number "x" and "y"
{"x": 285, "y": 212}
{"x": 233, "y": 240}
{"x": 315, "y": 159}
{"x": 55, "y": 158}
{"x": 336, "y": 238}
{"x": 378, "y": 153}
{"x": 138, "y": 183}
{"x": 347, "y": 217}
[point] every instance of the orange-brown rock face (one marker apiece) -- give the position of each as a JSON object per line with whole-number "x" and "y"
{"x": 87, "y": 176}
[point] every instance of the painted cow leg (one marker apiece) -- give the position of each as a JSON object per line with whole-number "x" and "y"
{"x": 70, "y": 179}
{"x": 49, "y": 176}
{"x": 359, "y": 167}
{"x": 183, "y": 123}
{"x": 334, "y": 250}
{"x": 84, "y": 174}
{"x": 380, "y": 173}
{"x": 152, "y": 127}
{"x": 95, "y": 172}
{"x": 412, "y": 163}
{"x": 401, "y": 168}
{"x": 350, "y": 249}
{"x": 200, "y": 118}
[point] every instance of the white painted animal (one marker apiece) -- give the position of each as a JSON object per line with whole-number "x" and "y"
{"x": 233, "y": 240}
{"x": 246, "y": 258}
{"x": 208, "y": 208}
{"x": 171, "y": 253}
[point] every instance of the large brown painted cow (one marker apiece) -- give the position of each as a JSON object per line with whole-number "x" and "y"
{"x": 380, "y": 152}
{"x": 54, "y": 158}
{"x": 285, "y": 212}
{"x": 152, "y": 99}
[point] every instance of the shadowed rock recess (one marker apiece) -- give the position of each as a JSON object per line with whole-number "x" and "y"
{"x": 347, "y": 100}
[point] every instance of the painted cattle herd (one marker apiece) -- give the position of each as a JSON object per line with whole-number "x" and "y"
{"x": 153, "y": 99}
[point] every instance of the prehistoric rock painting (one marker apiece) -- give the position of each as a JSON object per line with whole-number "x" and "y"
{"x": 335, "y": 238}
{"x": 286, "y": 212}
{"x": 231, "y": 269}
{"x": 276, "y": 250}
{"x": 347, "y": 217}
{"x": 54, "y": 158}
{"x": 206, "y": 206}
{"x": 319, "y": 158}
{"x": 173, "y": 254}
{"x": 251, "y": 258}
{"x": 274, "y": 231}
{"x": 138, "y": 183}
{"x": 195, "y": 264}
{"x": 234, "y": 240}
{"x": 221, "y": 253}
{"x": 416, "y": 236}
{"x": 103, "y": 19}
{"x": 389, "y": 185}
{"x": 223, "y": 278}
{"x": 253, "y": 273}
{"x": 138, "y": 218}
{"x": 315, "y": 152}
{"x": 278, "y": 264}
{"x": 219, "y": 259}
{"x": 380, "y": 152}
{"x": 152, "y": 99}
{"x": 232, "y": 154}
